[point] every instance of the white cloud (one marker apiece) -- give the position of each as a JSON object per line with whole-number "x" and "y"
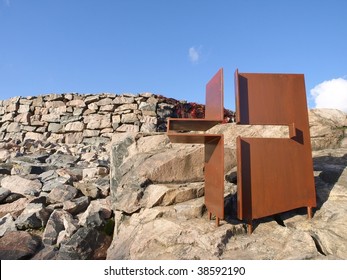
{"x": 194, "y": 54}
{"x": 331, "y": 94}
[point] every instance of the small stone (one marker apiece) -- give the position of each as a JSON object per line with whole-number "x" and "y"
{"x": 4, "y": 193}
{"x": 76, "y": 103}
{"x": 128, "y": 128}
{"x": 60, "y": 224}
{"x": 18, "y": 245}
{"x": 4, "y": 155}
{"x": 17, "y": 184}
{"x": 74, "y": 126}
{"x": 7, "y": 224}
{"x": 34, "y": 216}
{"x": 104, "y": 102}
{"x": 62, "y": 193}
{"x": 76, "y": 205}
{"x": 81, "y": 245}
{"x": 74, "y": 138}
{"x": 97, "y": 212}
{"x": 123, "y": 100}
{"x": 15, "y": 208}
{"x": 89, "y": 189}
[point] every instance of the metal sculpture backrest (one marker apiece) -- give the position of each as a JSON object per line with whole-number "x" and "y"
{"x": 274, "y": 175}
{"x": 214, "y": 143}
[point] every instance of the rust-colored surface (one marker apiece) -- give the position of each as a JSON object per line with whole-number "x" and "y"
{"x": 213, "y": 143}
{"x": 274, "y": 175}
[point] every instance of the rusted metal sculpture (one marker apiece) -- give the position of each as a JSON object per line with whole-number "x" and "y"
{"x": 214, "y": 143}
{"x": 274, "y": 175}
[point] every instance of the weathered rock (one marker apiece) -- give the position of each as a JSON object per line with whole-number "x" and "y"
{"x": 17, "y": 184}
{"x": 18, "y": 245}
{"x": 60, "y": 227}
{"x": 4, "y": 155}
{"x": 76, "y": 205}
{"x": 34, "y": 216}
{"x": 89, "y": 189}
{"x": 4, "y": 193}
{"x": 62, "y": 160}
{"x": 47, "y": 253}
{"x": 151, "y": 237}
{"x": 74, "y": 126}
{"x": 7, "y": 224}
{"x": 164, "y": 195}
{"x": 57, "y": 182}
{"x": 62, "y": 193}
{"x": 81, "y": 245}
{"x": 97, "y": 121}
{"x": 15, "y": 208}
{"x": 327, "y": 128}
{"x": 97, "y": 212}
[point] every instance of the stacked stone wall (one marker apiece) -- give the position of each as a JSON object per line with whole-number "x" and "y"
{"x": 75, "y": 118}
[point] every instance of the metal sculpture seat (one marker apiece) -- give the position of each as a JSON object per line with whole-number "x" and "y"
{"x": 274, "y": 175}
{"x": 213, "y": 143}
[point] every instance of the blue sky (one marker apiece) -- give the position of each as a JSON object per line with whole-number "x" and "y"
{"x": 170, "y": 47}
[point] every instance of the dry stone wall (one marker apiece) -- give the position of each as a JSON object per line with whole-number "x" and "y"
{"x": 81, "y": 118}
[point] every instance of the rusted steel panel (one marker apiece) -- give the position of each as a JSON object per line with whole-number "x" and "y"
{"x": 274, "y": 175}
{"x": 214, "y": 176}
{"x": 213, "y": 143}
{"x": 214, "y": 108}
{"x": 191, "y": 124}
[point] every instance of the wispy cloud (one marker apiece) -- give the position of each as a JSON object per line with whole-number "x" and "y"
{"x": 194, "y": 54}
{"x": 331, "y": 94}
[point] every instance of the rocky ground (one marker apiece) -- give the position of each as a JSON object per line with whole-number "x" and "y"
{"x": 141, "y": 197}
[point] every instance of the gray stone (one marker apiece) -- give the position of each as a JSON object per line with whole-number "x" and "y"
{"x": 129, "y": 118}
{"x": 81, "y": 245}
{"x": 74, "y": 138}
{"x": 123, "y": 100}
{"x": 76, "y": 205}
{"x": 62, "y": 160}
{"x": 91, "y": 133}
{"x": 91, "y": 99}
{"x": 76, "y": 103}
{"x": 125, "y": 107}
{"x": 34, "y": 136}
{"x": 128, "y": 128}
{"x": 74, "y": 126}
{"x": 60, "y": 226}
{"x": 97, "y": 121}
{"x": 18, "y": 245}
{"x": 53, "y": 117}
{"x": 69, "y": 118}
{"x": 4, "y": 193}
{"x": 107, "y": 108}
{"x": 56, "y": 128}
{"x": 104, "y": 101}
{"x": 17, "y": 184}
{"x": 97, "y": 212}
{"x": 57, "y": 182}
{"x": 34, "y": 216}
{"x": 62, "y": 193}
{"x": 48, "y": 175}
{"x": 7, "y": 224}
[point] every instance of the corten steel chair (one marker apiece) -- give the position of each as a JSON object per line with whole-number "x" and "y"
{"x": 214, "y": 143}
{"x": 274, "y": 174}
